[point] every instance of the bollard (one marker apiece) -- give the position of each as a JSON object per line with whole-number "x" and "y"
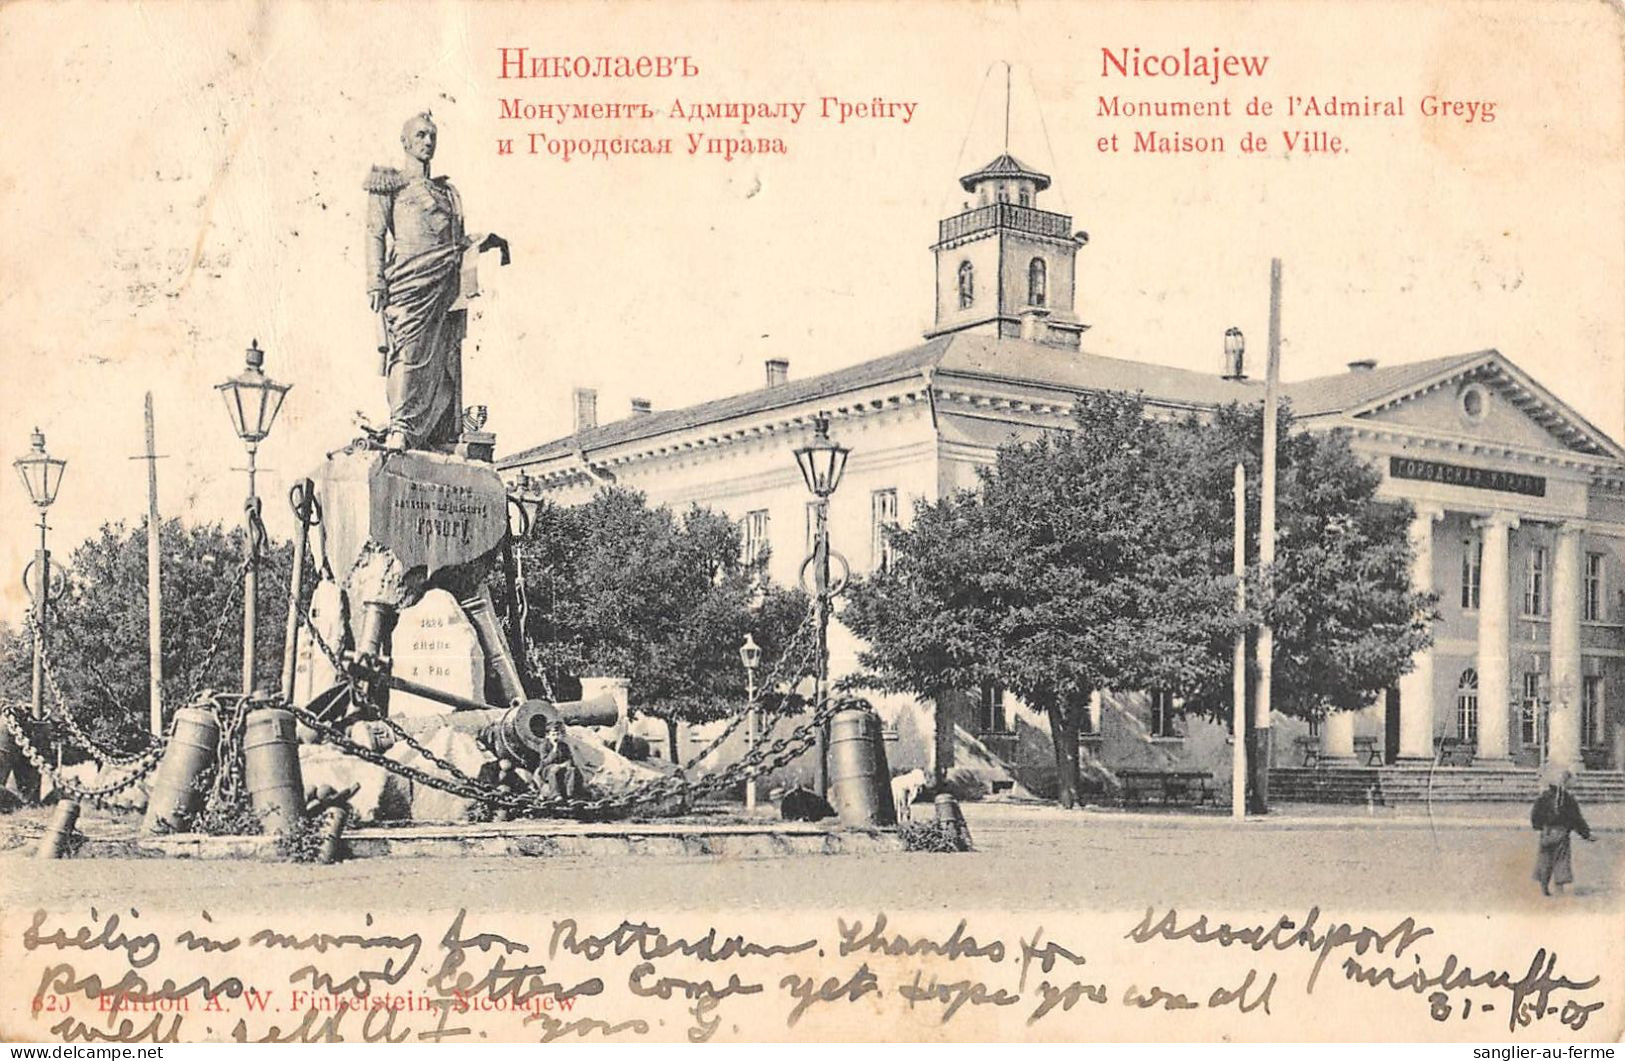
{"x": 176, "y": 788}
{"x": 334, "y": 820}
{"x": 271, "y": 770}
{"x": 60, "y": 831}
{"x": 859, "y": 781}
{"x": 950, "y": 818}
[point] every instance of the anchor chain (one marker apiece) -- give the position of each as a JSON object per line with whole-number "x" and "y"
{"x": 764, "y": 758}
{"x": 101, "y": 796}
{"x": 81, "y": 739}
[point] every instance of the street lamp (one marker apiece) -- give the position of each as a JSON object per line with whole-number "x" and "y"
{"x": 252, "y": 400}
{"x": 42, "y": 475}
{"x": 822, "y": 463}
{"x": 750, "y": 654}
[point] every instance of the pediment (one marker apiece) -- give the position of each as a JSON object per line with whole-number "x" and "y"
{"x": 1492, "y": 401}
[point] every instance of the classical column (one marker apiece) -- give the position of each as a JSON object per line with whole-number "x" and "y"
{"x": 1337, "y": 736}
{"x": 1563, "y": 735}
{"x": 1494, "y": 632}
{"x": 1416, "y": 687}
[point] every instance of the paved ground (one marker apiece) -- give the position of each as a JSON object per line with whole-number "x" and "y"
{"x": 1027, "y": 857}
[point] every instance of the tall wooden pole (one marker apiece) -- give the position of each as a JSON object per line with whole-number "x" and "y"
{"x": 1238, "y": 682}
{"x": 1262, "y": 732}
{"x": 155, "y": 639}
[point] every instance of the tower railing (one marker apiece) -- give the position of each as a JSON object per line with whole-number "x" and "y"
{"x": 1004, "y": 215}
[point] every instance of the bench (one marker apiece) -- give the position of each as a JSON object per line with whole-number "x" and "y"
{"x": 1453, "y": 751}
{"x": 1174, "y": 786}
{"x": 1308, "y": 749}
{"x": 1368, "y": 751}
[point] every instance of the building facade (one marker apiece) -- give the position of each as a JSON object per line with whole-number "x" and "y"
{"x": 1520, "y": 525}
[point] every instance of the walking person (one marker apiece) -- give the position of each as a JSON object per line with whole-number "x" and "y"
{"x": 1556, "y": 814}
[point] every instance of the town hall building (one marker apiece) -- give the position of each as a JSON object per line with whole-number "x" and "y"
{"x": 1519, "y": 528}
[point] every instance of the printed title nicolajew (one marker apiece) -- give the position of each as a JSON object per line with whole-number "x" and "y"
{"x": 1131, "y": 62}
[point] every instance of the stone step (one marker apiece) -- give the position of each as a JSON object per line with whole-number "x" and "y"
{"x": 1389, "y": 785}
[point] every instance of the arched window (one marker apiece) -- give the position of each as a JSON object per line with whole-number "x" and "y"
{"x": 1037, "y": 282}
{"x": 1467, "y": 706}
{"x": 967, "y": 285}
{"x": 1026, "y": 197}
{"x": 1003, "y": 194}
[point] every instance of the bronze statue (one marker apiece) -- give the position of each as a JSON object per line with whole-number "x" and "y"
{"x": 416, "y": 285}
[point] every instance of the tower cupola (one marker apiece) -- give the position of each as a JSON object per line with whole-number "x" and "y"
{"x": 1005, "y": 266}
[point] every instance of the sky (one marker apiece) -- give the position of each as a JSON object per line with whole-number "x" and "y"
{"x": 185, "y": 178}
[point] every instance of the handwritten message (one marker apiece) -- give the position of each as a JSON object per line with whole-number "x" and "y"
{"x": 113, "y": 976}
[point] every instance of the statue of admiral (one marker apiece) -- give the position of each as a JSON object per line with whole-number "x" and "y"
{"x": 417, "y": 285}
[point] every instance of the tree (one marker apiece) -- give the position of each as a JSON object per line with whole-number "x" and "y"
{"x": 98, "y": 634}
{"x": 1347, "y": 621}
{"x": 1077, "y": 566}
{"x": 614, "y": 586}
{"x": 1101, "y": 558}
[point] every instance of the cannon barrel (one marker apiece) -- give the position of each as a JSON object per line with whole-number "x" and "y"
{"x": 527, "y": 722}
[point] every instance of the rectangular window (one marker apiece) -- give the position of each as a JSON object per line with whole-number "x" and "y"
{"x": 1089, "y": 721}
{"x": 1594, "y": 588}
{"x": 1164, "y": 714}
{"x": 882, "y": 518}
{"x": 1591, "y": 710}
{"x": 1467, "y": 708}
{"x": 753, "y": 539}
{"x": 1534, "y": 581}
{"x": 1530, "y": 715}
{"x": 1472, "y": 566}
{"x": 990, "y": 709}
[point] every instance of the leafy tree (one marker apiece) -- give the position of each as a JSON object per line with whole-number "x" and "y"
{"x": 614, "y": 586}
{"x": 1077, "y": 566}
{"x": 1347, "y": 621}
{"x": 98, "y": 633}
{"x": 1101, "y": 557}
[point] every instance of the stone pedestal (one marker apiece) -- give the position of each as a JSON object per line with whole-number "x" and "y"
{"x": 434, "y": 644}
{"x": 393, "y": 521}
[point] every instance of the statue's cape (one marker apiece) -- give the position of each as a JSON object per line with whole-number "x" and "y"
{"x": 385, "y": 180}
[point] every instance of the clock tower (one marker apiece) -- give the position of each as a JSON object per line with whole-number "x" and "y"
{"x": 1004, "y": 266}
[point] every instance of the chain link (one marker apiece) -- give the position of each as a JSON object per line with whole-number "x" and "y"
{"x": 764, "y": 758}
{"x": 102, "y": 796}
{"x": 775, "y": 676}
{"x": 83, "y": 740}
{"x": 200, "y": 673}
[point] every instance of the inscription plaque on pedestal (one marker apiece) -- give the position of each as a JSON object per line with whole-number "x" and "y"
{"x": 434, "y": 644}
{"x": 428, "y": 511}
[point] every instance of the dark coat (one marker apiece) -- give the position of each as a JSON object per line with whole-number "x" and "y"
{"x": 1557, "y": 808}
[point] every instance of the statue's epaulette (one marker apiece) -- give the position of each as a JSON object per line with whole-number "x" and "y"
{"x": 385, "y": 180}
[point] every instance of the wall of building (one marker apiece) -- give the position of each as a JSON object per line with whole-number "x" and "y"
{"x": 982, "y": 252}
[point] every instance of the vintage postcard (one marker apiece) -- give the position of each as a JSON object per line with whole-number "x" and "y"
{"x": 800, "y": 521}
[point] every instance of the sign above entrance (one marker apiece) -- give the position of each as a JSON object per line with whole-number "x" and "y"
{"x": 1465, "y": 475}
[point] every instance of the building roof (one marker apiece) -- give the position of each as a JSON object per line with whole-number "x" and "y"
{"x": 1348, "y": 390}
{"x": 985, "y": 357}
{"x": 1005, "y": 167}
{"x": 972, "y": 356}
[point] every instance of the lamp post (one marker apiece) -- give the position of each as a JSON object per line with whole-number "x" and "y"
{"x": 42, "y": 475}
{"x": 750, "y": 654}
{"x": 822, "y": 463}
{"x": 252, "y": 400}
